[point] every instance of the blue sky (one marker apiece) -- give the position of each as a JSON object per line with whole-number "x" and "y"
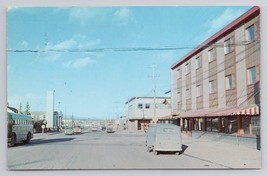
{"x": 97, "y": 84}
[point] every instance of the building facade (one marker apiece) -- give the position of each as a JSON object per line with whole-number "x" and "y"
{"x": 216, "y": 86}
{"x": 49, "y": 117}
{"x": 141, "y": 111}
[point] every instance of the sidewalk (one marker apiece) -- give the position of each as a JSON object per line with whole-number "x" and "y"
{"x": 232, "y": 156}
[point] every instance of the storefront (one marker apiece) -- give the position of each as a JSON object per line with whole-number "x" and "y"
{"x": 242, "y": 120}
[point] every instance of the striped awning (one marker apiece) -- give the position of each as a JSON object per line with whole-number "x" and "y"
{"x": 254, "y": 110}
{"x": 246, "y": 110}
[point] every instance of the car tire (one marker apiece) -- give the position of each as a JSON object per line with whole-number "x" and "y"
{"x": 148, "y": 149}
{"x": 28, "y": 138}
{"x": 12, "y": 142}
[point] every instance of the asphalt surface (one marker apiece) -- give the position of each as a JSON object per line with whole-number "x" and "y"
{"x": 123, "y": 150}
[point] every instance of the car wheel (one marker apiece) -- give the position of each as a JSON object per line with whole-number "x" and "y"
{"x": 148, "y": 149}
{"x": 28, "y": 138}
{"x": 12, "y": 142}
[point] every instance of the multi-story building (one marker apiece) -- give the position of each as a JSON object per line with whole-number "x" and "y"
{"x": 216, "y": 86}
{"x": 145, "y": 110}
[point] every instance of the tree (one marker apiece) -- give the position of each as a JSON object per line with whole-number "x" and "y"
{"x": 27, "y": 109}
{"x": 20, "y": 108}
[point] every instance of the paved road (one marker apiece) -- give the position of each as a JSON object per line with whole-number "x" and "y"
{"x": 122, "y": 150}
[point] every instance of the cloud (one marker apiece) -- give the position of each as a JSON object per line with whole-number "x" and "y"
{"x": 51, "y": 57}
{"x": 88, "y": 44}
{"x": 23, "y": 44}
{"x": 81, "y": 14}
{"x": 79, "y": 63}
{"x": 85, "y": 15}
{"x": 77, "y": 41}
{"x": 123, "y": 13}
{"x": 227, "y": 16}
{"x": 123, "y": 16}
{"x": 100, "y": 16}
{"x": 65, "y": 45}
{"x": 218, "y": 23}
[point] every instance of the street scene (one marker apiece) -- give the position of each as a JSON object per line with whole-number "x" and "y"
{"x": 122, "y": 150}
{"x": 160, "y": 87}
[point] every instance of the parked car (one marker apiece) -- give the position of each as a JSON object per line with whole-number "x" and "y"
{"x": 110, "y": 129}
{"x": 69, "y": 131}
{"x": 103, "y": 128}
{"x": 77, "y": 130}
{"x": 94, "y": 128}
{"x": 164, "y": 138}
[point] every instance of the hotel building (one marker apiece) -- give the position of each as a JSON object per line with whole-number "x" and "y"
{"x": 216, "y": 86}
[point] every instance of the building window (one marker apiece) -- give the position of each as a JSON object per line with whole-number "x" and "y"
{"x": 197, "y": 62}
{"x": 212, "y": 86}
{"x": 251, "y": 75}
{"x": 147, "y": 106}
{"x": 229, "y": 82}
{"x": 187, "y": 93}
{"x": 211, "y": 55}
{"x": 187, "y": 69}
{"x": 250, "y": 33}
{"x": 140, "y": 106}
{"x": 228, "y": 46}
{"x": 199, "y": 91}
{"x": 178, "y": 73}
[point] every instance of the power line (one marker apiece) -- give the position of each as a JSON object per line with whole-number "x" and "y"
{"x": 75, "y": 50}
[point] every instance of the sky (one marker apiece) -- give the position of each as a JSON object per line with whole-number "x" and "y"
{"x": 96, "y": 58}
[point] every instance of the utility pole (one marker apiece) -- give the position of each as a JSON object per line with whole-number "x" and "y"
{"x": 154, "y": 76}
{"x": 59, "y": 116}
{"x": 72, "y": 121}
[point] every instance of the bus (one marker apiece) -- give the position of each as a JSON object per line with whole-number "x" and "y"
{"x": 19, "y": 128}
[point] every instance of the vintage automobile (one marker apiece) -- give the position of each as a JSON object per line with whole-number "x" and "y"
{"x": 69, "y": 131}
{"x": 77, "y": 130}
{"x": 110, "y": 129}
{"x": 164, "y": 138}
{"x": 94, "y": 128}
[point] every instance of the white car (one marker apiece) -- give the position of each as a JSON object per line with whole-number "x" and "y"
{"x": 69, "y": 131}
{"x": 110, "y": 129}
{"x": 94, "y": 128}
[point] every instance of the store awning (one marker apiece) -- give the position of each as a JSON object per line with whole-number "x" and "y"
{"x": 249, "y": 110}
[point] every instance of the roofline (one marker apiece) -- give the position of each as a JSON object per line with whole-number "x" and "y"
{"x": 131, "y": 99}
{"x": 254, "y": 11}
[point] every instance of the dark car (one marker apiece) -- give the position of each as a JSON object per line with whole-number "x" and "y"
{"x": 103, "y": 128}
